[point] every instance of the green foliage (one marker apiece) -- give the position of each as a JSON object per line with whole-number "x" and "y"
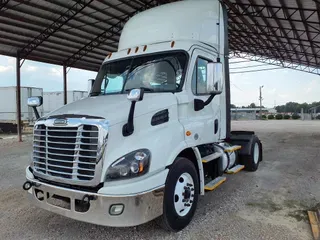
{"x": 286, "y": 116}
{"x": 252, "y": 105}
{"x": 296, "y": 107}
{"x": 264, "y": 117}
{"x": 270, "y": 116}
{"x": 279, "y": 116}
{"x": 295, "y": 116}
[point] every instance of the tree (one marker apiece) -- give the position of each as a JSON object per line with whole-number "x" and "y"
{"x": 252, "y": 105}
{"x": 295, "y": 107}
{"x": 295, "y": 116}
{"x": 233, "y": 106}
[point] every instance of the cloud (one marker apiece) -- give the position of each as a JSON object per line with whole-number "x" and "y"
{"x": 11, "y": 60}
{"x": 272, "y": 91}
{"x": 55, "y": 71}
{"x": 6, "y": 68}
{"x": 312, "y": 86}
{"x": 285, "y": 96}
{"x": 31, "y": 68}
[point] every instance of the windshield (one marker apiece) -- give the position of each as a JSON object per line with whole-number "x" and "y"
{"x": 154, "y": 73}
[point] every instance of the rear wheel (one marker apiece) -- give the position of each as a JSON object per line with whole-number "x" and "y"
{"x": 252, "y": 161}
{"x": 180, "y": 195}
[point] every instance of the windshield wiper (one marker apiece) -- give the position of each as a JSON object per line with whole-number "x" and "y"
{"x": 147, "y": 89}
{"x": 144, "y": 88}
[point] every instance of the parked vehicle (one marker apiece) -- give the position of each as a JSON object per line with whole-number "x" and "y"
{"x": 8, "y": 107}
{"x": 154, "y": 134}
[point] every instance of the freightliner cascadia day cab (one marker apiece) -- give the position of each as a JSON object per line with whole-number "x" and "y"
{"x": 153, "y": 134}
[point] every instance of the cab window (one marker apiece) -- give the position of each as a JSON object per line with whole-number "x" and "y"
{"x": 199, "y": 77}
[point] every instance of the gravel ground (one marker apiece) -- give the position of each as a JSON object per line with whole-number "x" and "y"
{"x": 268, "y": 204}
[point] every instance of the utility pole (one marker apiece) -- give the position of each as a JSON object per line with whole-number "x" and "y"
{"x": 260, "y": 99}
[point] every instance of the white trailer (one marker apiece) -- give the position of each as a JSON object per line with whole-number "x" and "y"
{"x": 54, "y": 100}
{"x": 8, "y": 107}
{"x": 154, "y": 134}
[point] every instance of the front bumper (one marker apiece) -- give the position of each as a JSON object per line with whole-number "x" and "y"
{"x": 138, "y": 208}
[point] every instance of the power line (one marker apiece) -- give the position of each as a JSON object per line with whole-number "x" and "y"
{"x": 237, "y": 87}
{"x": 258, "y": 70}
{"x": 240, "y": 62}
{"x": 259, "y": 65}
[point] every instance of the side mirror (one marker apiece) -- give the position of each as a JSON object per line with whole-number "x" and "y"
{"x": 35, "y": 101}
{"x": 90, "y": 85}
{"x": 135, "y": 95}
{"x": 214, "y": 78}
{"x": 214, "y": 84}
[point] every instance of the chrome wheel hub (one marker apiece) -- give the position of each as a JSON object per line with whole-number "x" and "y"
{"x": 184, "y": 194}
{"x": 256, "y": 153}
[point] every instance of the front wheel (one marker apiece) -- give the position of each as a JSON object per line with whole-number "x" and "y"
{"x": 180, "y": 195}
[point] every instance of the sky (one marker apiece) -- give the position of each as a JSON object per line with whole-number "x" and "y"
{"x": 280, "y": 86}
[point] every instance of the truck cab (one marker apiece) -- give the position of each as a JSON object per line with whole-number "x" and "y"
{"x": 154, "y": 132}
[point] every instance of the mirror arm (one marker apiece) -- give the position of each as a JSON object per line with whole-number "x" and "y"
{"x": 128, "y": 128}
{"x": 35, "y": 110}
{"x": 200, "y": 104}
{"x": 208, "y": 101}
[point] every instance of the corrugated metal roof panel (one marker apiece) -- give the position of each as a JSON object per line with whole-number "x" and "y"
{"x": 288, "y": 27}
{"x": 284, "y": 30}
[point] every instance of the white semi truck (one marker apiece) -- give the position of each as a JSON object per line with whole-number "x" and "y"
{"x": 154, "y": 133}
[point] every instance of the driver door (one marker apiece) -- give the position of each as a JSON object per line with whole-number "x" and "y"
{"x": 206, "y": 121}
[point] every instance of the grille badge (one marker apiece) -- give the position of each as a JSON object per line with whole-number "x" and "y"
{"x": 60, "y": 122}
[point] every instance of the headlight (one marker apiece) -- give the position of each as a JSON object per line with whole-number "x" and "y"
{"x": 131, "y": 165}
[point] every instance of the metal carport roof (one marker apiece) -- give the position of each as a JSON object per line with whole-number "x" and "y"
{"x": 279, "y": 32}
{"x": 81, "y": 33}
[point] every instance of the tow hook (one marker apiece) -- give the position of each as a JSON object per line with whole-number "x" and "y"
{"x": 27, "y": 185}
{"x": 87, "y": 198}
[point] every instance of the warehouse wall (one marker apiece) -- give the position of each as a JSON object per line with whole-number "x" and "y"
{"x": 8, "y": 103}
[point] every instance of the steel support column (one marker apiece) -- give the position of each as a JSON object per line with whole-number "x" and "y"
{"x": 18, "y": 98}
{"x": 65, "y": 84}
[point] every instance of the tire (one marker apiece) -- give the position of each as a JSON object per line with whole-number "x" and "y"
{"x": 181, "y": 172}
{"x": 252, "y": 161}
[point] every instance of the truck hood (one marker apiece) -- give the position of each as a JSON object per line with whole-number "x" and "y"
{"x": 115, "y": 108}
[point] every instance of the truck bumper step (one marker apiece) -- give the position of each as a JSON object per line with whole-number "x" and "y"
{"x": 232, "y": 148}
{"x": 235, "y": 169}
{"x": 314, "y": 218}
{"x": 211, "y": 157}
{"x": 214, "y": 183}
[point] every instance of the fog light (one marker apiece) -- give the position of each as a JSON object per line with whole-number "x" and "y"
{"x": 116, "y": 209}
{"x": 39, "y": 194}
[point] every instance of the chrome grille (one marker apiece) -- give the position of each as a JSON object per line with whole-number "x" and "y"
{"x": 66, "y": 152}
